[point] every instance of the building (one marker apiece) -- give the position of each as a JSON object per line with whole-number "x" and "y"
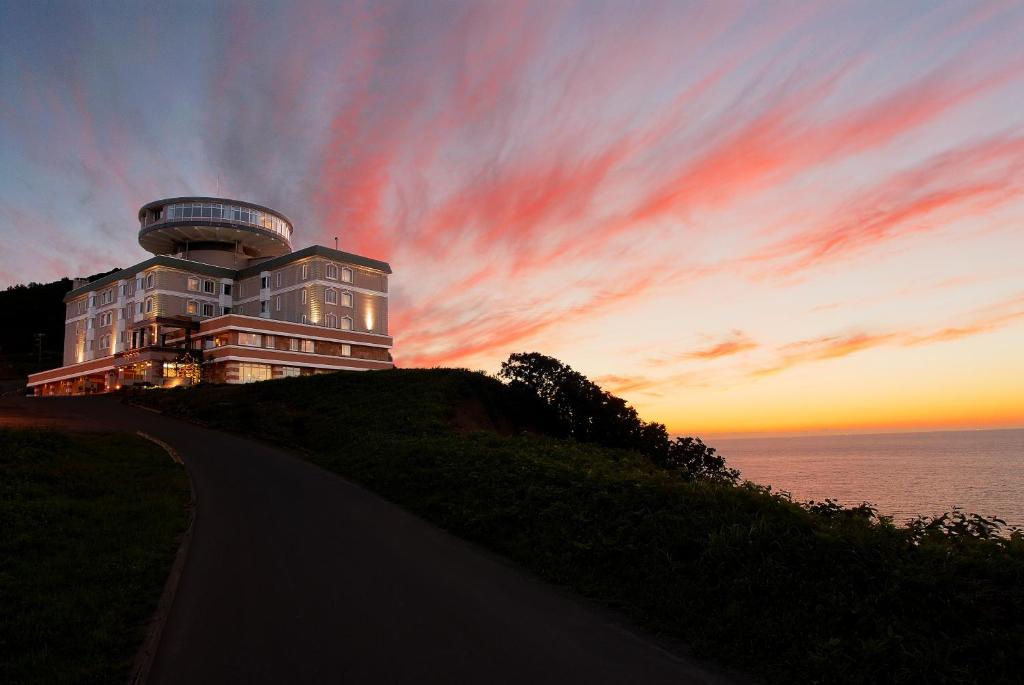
{"x": 225, "y": 294}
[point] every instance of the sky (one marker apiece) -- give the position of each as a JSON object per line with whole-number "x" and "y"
{"x": 741, "y": 217}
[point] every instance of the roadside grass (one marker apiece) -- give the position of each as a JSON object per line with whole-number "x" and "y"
{"x": 89, "y": 525}
{"x": 741, "y": 574}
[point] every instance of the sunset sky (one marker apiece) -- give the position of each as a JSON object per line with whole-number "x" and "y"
{"x": 741, "y": 218}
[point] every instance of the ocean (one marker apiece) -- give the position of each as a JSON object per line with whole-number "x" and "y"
{"x": 902, "y": 474}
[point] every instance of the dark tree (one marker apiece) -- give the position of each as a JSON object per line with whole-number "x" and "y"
{"x": 589, "y": 414}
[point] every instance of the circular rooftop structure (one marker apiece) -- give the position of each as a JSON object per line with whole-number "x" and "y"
{"x": 179, "y": 223}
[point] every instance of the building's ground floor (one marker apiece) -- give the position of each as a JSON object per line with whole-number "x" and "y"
{"x": 226, "y": 349}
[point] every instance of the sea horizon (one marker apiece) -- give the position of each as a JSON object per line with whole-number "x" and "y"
{"x": 904, "y": 474}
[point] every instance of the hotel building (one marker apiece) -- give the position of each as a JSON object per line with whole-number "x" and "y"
{"x": 225, "y": 294}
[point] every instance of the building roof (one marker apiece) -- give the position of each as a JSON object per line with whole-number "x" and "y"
{"x": 223, "y": 272}
{"x": 315, "y": 251}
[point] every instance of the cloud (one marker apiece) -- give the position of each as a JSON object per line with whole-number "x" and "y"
{"x": 978, "y": 322}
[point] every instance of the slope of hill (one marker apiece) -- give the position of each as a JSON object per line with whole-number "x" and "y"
{"x": 742, "y": 574}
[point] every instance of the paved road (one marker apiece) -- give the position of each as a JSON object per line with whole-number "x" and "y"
{"x": 295, "y": 575}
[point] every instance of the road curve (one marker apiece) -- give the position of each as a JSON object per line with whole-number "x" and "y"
{"x": 295, "y": 575}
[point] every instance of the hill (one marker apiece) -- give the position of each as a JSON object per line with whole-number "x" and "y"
{"x": 795, "y": 593}
{"x": 28, "y": 310}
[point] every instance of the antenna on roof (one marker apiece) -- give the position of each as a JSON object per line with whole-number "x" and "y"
{"x": 335, "y": 242}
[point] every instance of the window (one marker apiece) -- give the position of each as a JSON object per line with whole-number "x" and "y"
{"x": 149, "y": 303}
{"x": 277, "y": 303}
{"x": 193, "y": 283}
{"x": 191, "y": 307}
{"x": 346, "y": 350}
{"x": 226, "y": 289}
{"x": 81, "y": 306}
{"x": 207, "y": 310}
{"x": 150, "y": 281}
{"x": 304, "y": 318}
{"x": 290, "y": 371}
{"x": 346, "y": 299}
{"x": 106, "y": 318}
{"x": 264, "y": 306}
{"x": 305, "y": 297}
{"x": 293, "y": 344}
{"x": 331, "y": 296}
{"x": 346, "y": 323}
{"x": 250, "y": 339}
{"x": 226, "y": 310}
{"x": 306, "y": 346}
{"x": 268, "y": 342}
{"x": 251, "y": 373}
{"x": 90, "y": 345}
{"x": 89, "y": 323}
{"x": 332, "y": 321}
{"x": 264, "y": 282}
{"x": 305, "y": 271}
{"x": 92, "y": 300}
{"x": 277, "y": 279}
{"x": 208, "y": 287}
{"x": 107, "y": 297}
{"x": 346, "y": 275}
{"x": 138, "y": 283}
{"x": 140, "y": 307}
{"x": 332, "y": 272}
{"x": 124, "y": 290}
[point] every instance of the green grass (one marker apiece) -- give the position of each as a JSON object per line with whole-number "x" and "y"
{"x": 741, "y": 574}
{"x": 89, "y": 525}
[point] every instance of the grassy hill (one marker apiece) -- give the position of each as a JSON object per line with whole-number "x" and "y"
{"x": 741, "y": 574}
{"x": 89, "y": 525}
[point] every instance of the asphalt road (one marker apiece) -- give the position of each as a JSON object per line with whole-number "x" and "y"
{"x": 295, "y": 575}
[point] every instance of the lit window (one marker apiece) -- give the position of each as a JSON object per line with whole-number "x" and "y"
{"x": 346, "y": 323}
{"x": 251, "y": 373}
{"x": 268, "y": 342}
{"x": 307, "y": 346}
{"x": 191, "y": 307}
{"x": 250, "y": 339}
{"x": 346, "y": 350}
{"x": 332, "y": 272}
{"x": 293, "y": 344}
{"x": 290, "y": 371}
{"x": 346, "y": 299}
{"x": 193, "y": 283}
{"x": 331, "y": 296}
{"x": 346, "y": 275}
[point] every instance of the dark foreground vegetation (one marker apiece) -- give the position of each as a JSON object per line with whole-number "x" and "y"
{"x": 88, "y": 529}
{"x": 659, "y": 528}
